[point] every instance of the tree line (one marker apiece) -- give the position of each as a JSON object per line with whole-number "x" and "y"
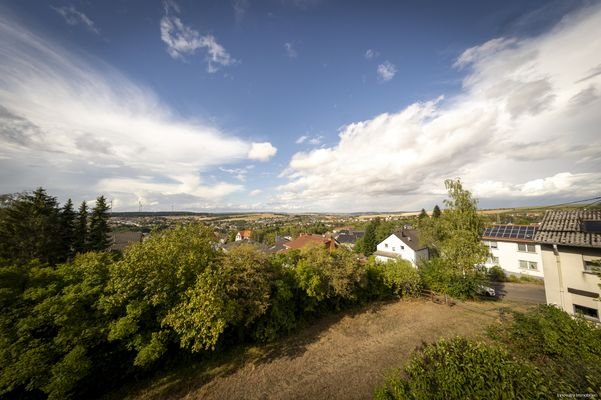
{"x": 35, "y": 226}
{"x": 78, "y": 328}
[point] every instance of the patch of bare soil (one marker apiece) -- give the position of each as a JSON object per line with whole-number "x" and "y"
{"x": 339, "y": 357}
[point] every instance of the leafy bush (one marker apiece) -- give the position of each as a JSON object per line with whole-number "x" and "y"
{"x": 439, "y": 277}
{"x": 462, "y": 369}
{"x": 401, "y": 278}
{"x": 496, "y": 274}
{"x": 566, "y": 349}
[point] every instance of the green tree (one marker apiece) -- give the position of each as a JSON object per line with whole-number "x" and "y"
{"x": 29, "y": 229}
{"x": 67, "y": 229}
{"x": 369, "y": 239}
{"x": 233, "y": 292}
{"x": 99, "y": 236}
{"x": 455, "y": 239}
{"x": 423, "y": 214}
{"x": 436, "y": 212}
{"x": 51, "y": 328}
{"x": 81, "y": 229}
{"x": 151, "y": 281}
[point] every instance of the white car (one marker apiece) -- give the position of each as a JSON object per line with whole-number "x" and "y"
{"x": 486, "y": 291}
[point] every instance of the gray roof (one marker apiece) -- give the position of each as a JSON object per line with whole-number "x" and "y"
{"x": 569, "y": 228}
{"x": 349, "y": 236}
{"x": 411, "y": 238}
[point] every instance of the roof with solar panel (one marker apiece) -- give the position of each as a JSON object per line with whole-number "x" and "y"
{"x": 510, "y": 233}
{"x": 579, "y": 228}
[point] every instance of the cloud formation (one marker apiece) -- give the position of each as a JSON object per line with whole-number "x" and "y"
{"x": 261, "y": 151}
{"x": 290, "y": 51}
{"x": 82, "y": 128}
{"x": 386, "y": 71}
{"x": 524, "y": 127}
{"x": 74, "y": 17}
{"x": 182, "y": 40}
{"x": 370, "y": 53}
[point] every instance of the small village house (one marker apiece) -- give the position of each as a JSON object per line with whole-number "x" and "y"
{"x": 243, "y": 235}
{"x": 402, "y": 244}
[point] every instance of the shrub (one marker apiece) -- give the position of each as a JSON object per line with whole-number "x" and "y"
{"x": 463, "y": 369}
{"x": 566, "y": 349}
{"x": 401, "y": 278}
{"x": 496, "y": 274}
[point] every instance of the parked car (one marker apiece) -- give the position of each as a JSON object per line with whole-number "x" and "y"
{"x": 486, "y": 291}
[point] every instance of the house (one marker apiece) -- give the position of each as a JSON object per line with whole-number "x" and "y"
{"x": 571, "y": 250}
{"x": 279, "y": 244}
{"x": 402, "y": 244}
{"x": 512, "y": 247}
{"x": 348, "y": 237}
{"x": 305, "y": 240}
{"x": 243, "y": 235}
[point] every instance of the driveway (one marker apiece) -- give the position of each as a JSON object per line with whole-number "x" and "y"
{"x": 528, "y": 293}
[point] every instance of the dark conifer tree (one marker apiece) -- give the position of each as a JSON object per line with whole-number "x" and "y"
{"x": 67, "y": 229}
{"x": 436, "y": 212}
{"x": 99, "y": 237}
{"x": 29, "y": 228}
{"x": 423, "y": 214}
{"x": 81, "y": 229}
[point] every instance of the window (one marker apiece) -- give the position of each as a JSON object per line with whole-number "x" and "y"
{"x": 402, "y": 247}
{"x": 586, "y": 311}
{"x": 528, "y": 265}
{"x": 530, "y": 248}
{"x": 393, "y": 248}
{"x": 386, "y": 245}
{"x": 492, "y": 245}
{"x": 495, "y": 260}
{"x": 592, "y": 266}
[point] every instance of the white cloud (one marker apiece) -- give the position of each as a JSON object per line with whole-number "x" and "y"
{"x": 74, "y": 17}
{"x": 255, "y": 192}
{"x": 386, "y": 71}
{"x": 81, "y": 128}
{"x": 182, "y": 40}
{"x": 240, "y": 9}
{"x": 261, "y": 151}
{"x": 290, "y": 51}
{"x": 301, "y": 139}
{"x": 525, "y": 128}
{"x": 370, "y": 53}
{"x": 314, "y": 140}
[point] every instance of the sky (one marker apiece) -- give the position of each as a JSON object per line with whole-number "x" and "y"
{"x": 300, "y": 105}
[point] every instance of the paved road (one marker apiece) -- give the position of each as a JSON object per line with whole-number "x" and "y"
{"x": 521, "y": 292}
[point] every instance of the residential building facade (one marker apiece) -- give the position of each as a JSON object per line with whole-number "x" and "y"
{"x": 403, "y": 244}
{"x": 512, "y": 247}
{"x": 571, "y": 252}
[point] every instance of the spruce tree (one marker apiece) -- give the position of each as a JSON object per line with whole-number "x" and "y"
{"x": 423, "y": 214}
{"x": 369, "y": 239}
{"x": 99, "y": 238}
{"x": 29, "y": 228}
{"x": 67, "y": 230}
{"x": 436, "y": 212}
{"x": 81, "y": 229}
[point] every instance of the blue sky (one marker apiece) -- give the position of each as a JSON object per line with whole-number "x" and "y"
{"x": 300, "y": 105}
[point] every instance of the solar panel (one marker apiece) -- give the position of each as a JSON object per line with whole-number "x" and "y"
{"x": 510, "y": 231}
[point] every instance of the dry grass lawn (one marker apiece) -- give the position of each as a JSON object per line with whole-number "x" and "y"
{"x": 338, "y": 357}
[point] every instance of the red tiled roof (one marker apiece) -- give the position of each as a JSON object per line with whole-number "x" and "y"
{"x": 245, "y": 234}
